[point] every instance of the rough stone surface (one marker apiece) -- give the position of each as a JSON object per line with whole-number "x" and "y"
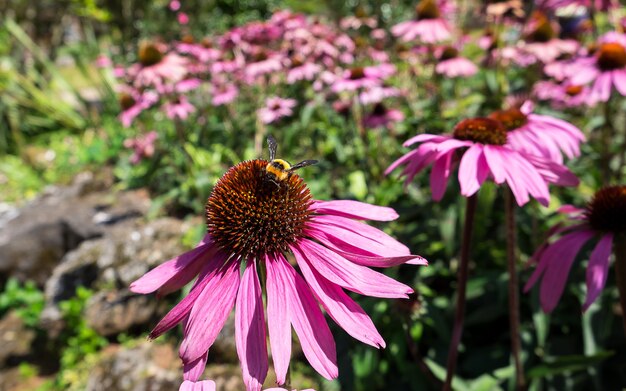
{"x": 146, "y": 367}
{"x": 34, "y": 240}
{"x": 113, "y": 312}
{"x": 15, "y": 339}
{"x": 110, "y": 263}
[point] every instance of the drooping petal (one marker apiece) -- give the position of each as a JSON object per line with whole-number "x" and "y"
{"x": 182, "y": 269}
{"x": 559, "y": 258}
{"x": 278, "y": 318}
{"x": 193, "y": 370}
{"x": 364, "y": 230}
{"x": 182, "y": 309}
{"x": 210, "y": 311}
{"x": 598, "y": 269}
{"x": 250, "y": 329}
{"x": 470, "y": 174}
{"x": 495, "y": 163}
{"x": 204, "y": 385}
{"x": 308, "y": 321}
{"x": 439, "y": 175}
{"x": 355, "y": 210}
{"x": 351, "y": 276}
{"x": 344, "y": 311}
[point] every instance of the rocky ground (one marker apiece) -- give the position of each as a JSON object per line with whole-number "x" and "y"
{"x": 86, "y": 235}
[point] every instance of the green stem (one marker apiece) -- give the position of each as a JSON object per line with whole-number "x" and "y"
{"x": 514, "y": 317}
{"x": 619, "y": 243}
{"x": 462, "y": 276}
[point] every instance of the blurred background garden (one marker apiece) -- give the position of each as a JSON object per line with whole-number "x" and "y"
{"x": 118, "y": 117}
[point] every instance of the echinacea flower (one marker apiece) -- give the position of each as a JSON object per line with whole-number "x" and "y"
{"x": 262, "y": 219}
{"x": 381, "y": 116}
{"x": 143, "y": 146}
{"x": 428, "y": 26}
{"x": 479, "y": 146}
{"x": 451, "y": 64}
{"x": 363, "y": 77}
{"x": 606, "y": 68}
{"x": 275, "y": 109}
{"x": 603, "y": 219}
{"x": 133, "y": 103}
{"x": 204, "y": 385}
{"x": 538, "y": 134}
{"x": 179, "y": 108}
{"x": 156, "y": 68}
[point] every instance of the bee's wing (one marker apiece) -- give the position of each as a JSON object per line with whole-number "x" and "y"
{"x": 303, "y": 163}
{"x": 273, "y": 146}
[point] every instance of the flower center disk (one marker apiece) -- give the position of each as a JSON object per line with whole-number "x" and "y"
{"x": 611, "y": 55}
{"x": 149, "y": 54}
{"x": 251, "y": 212}
{"x": 481, "y": 130}
{"x": 511, "y": 119}
{"x": 607, "y": 209}
{"x": 427, "y": 9}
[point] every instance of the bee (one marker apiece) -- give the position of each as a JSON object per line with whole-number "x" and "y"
{"x": 278, "y": 170}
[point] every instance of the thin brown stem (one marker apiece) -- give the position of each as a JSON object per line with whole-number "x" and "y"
{"x": 514, "y": 317}
{"x": 619, "y": 246}
{"x": 462, "y": 275}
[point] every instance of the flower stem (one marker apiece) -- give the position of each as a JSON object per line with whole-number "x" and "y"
{"x": 514, "y": 318}
{"x": 457, "y": 331}
{"x": 619, "y": 244}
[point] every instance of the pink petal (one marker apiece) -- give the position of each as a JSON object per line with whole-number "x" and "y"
{"x": 177, "y": 271}
{"x": 355, "y": 210}
{"x": 354, "y": 277}
{"x": 204, "y": 385}
{"x": 471, "y": 172}
{"x": 308, "y": 321}
{"x": 250, "y": 329}
{"x": 344, "y": 311}
{"x": 559, "y": 258}
{"x": 278, "y": 319}
{"x": 210, "y": 312}
{"x": 361, "y": 257}
{"x": 182, "y": 309}
{"x": 598, "y": 269}
{"x": 364, "y": 230}
{"x": 439, "y": 175}
{"x": 193, "y": 370}
{"x": 619, "y": 80}
{"x": 495, "y": 163}
{"x": 420, "y": 138}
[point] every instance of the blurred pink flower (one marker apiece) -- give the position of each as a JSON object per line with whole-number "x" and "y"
{"x": 540, "y": 135}
{"x": 485, "y": 154}
{"x": 174, "y": 5}
{"x": 304, "y": 71}
{"x": 450, "y": 64}
{"x": 156, "y": 69}
{"x": 143, "y": 146}
{"x": 223, "y": 93}
{"x": 179, "y": 108}
{"x": 134, "y": 103}
{"x": 377, "y": 94}
{"x": 560, "y": 95}
{"x": 275, "y": 109}
{"x": 428, "y": 25}
{"x": 333, "y": 251}
{"x": 182, "y": 18}
{"x": 363, "y": 77}
{"x": 263, "y": 64}
{"x": 103, "y": 61}
{"x": 381, "y": 116}
{"x": 606, "y": 68}
{"x": 602, "y": 219}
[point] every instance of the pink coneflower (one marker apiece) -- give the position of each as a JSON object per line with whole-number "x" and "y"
{"x": 602, "y": 219}
{"x": 261, "y": 216}
{"x": 377, "y": 94}
{"x": 486, "y": 154}
{"x": 179, "y": 108}
{"x": 451, "y": 64}
{"x": 541, "y": 41}
{"x": 428, "y": 25}
{"x": 133, "y": 103}
{"x": 363, "y": 77}
{"x": 223, "y": 93}
{"x": 275, "y": 109}
{"x": 143, "y": 146}
{"x": 300, "y": 69}
{"x": 540, "y": 135}
{"x": 263, "y": 64}
{"x": 381, "y": 116}
{"x": 182, "y": 18}
{"x": 606, "y": 67}
{"x": 155, "y": 69}
{"x": 174, "y": 5}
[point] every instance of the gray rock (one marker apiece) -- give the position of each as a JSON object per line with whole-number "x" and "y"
{"x": 15, "y": 338}
{"x": 113, "y": 312}
{"x": 146, "y": 367}
{"x": 34, "y": 240}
